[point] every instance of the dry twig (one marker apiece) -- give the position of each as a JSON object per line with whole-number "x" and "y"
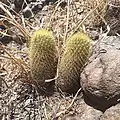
{"x": 14, "y": 21}
{"x": 62, "y": 112}
{"x": 67, "y": 21}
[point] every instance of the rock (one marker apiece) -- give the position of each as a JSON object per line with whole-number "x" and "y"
{"x": 27, "y": 12}
{"x": 100, "y": 80}
{"x": 36, "y": 8}
{"x": 94, "y": 34}
{"x": 63, "y": 4}
{"x": 5, "y": 39}
{"x": 91, "y": 114}
{"x": 85, "y": 112}
{"x": 19, "y": 4}
{"x": 112, "y": 113}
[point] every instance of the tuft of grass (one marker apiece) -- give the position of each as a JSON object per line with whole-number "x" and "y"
{"x": 98, "y": 15}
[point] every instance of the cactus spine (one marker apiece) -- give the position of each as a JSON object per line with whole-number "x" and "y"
{"x": 74, "y": 57}
{"x": 43, "y": 56}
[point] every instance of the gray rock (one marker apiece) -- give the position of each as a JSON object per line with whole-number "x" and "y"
{"x": 18, "y": 5}
{"x": 91, "y": 114}
{"x": 113, "y": 113}
{"x": 85, "y": 112}
{"x": 36, "y": 8}
{"x": 27, "y": 12}
{"x": 100, "y": 79}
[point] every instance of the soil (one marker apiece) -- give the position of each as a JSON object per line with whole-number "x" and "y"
{"x": 21, "y": 100}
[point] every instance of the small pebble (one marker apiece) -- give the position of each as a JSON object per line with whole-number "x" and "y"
{"x": 27, "y": 12}
{"x": 63, "y": 4}
{"x": 37, "y": 8}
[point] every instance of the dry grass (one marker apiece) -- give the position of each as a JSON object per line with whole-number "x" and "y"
{"x": 100, "y": 12}
{"x": 21, "y": 100}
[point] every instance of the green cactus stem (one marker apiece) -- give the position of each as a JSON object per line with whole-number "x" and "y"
{"x": 43, "y": 57}
{"x": 73, "y": 59}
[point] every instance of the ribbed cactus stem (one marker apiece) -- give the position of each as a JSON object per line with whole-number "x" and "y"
{"x": 43, "y": 56}
{"x": 73, "y": 59}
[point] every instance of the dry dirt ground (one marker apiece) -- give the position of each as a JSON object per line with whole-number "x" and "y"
{"x": 19, "y": 100}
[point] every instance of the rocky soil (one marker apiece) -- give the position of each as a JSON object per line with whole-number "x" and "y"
{"x": 98, "y": 97}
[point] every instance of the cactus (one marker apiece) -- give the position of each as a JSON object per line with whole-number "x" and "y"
{"x": 74, "y": 57}
{"x": 43, "y": 57}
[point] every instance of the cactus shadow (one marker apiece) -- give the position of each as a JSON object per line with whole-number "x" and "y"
{"x": 47, "y": 90}
{"x": 98, "y": 104}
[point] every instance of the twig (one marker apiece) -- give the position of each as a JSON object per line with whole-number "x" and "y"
{"x": 62, "y": 112}
{"x": 50, "y": 80}
{"x": 67, "y": 22}
{"x": 4, "y": 34}
{"x": 9, "y": 19}
{"x": 16, "y": 23}
{"x": 81, "y": 22}
{"x": 53, "y": 14}
{"x": 45, "y": 112}
{"x": 23, "y": 21}
{"x": 14, "y": 59}
{"x": 1, "y": 79}
{"x": 11, "y": 9}
{"x": 115, "y": 6}
{"x": 55, "y": 112}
